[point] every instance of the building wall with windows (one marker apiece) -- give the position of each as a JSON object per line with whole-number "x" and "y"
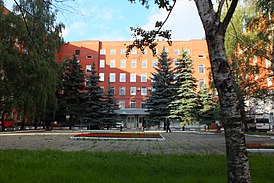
{"x": 130, "y": 76}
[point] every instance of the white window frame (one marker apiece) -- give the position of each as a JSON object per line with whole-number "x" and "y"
{"x": 143, "y": 91}
{"x": 123, "y": 63}
{"x": 202, "y": 83}
{"x": 122, "y": 91}
{"x": 132, "y": 77}
{"x": 88, "y": 69}
{"x": 102, "y": 51}
{"x": 122, "y": 104}
{"x": 123, "y": 52}
{"x": 102, "y": 63}
{"x": 102, "y": 76}
{"x": 144, "y": 63}
{"x": 112, "y": 63}
{"x": 176, "y": 52}
{"x": 112, "y": 77}
{"x": 122, "y": 77}
{"x": 133, "y": 90}
{"x": 154, "y": 63}
{"x": 134, "y": 51}
{"x": 112, "y": 52}
{"x": 133, "y": 63}
{"x": 201, "y": 68}
{"x": 144, "y": 77}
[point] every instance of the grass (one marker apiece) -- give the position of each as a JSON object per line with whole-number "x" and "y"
{"x": 100, "y": 167}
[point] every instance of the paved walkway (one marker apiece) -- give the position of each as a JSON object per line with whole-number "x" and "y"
{"x": 175, "y": 143}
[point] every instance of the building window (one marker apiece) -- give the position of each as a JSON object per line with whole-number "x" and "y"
{"x": 201, "y": 56}
{"x": 144, "y": 63}
{"x": 112, "y": 90}
{"x": 143, "y": 105}
{"x": 256, "y": 77}
{"x": 201, "y": 68}
{"x": 134, "y": 52}
{"x": 143, "y": 91}
{"x": 201, "y": 83}
{"x": 88, "y": 69}
{"x": 102, "y": 76}
{"x": 133, "y": 63}
{"x": 176, "y": 62}
{"x": 144, "y": 52}
{"x": 133, "y": 104}
{"x": 267, "y": 63}
{"x": 102, "y": 89}
{"x": 113, "y": 52}
{"x": 112, "y": 77}
{"x": 102, "y": 63}
{"x": 112, "y": 63}
{"x": 122, "y": 104}
{"x": 144, "y": 77}
{"x": 102, "y": 52}
{"x": 187, "y": 51}
{"x": 132, "y": 77}
{"x": 89, "y": 56}
{"x": 255, "y": 60}
{"x": 123, "y": 77}
{"x": 133, "y": 90}
{"x": 269, "y": 82}
{"x": 176, "y": 52}
{"x": 123, "y": 52}
{"x": 77, "y": 52}
{"x": 154, "y": 63}
{"x": 123, "y": 63}
{"x": 122, "y": 90}
{"x": 87, "y": 81}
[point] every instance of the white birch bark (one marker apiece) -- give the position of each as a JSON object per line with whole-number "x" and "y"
{"x": 237, "y": 159}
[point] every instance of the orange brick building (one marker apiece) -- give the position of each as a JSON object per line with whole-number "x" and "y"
{"x": 130, "y": 76}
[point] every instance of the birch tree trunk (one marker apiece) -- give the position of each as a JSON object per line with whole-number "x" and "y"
{"x": 237, "y": 159}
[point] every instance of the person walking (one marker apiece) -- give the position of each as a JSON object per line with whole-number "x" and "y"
{"x": 168, "y": 126}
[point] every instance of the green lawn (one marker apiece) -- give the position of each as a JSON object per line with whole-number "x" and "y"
{"x": 56, "y": 166}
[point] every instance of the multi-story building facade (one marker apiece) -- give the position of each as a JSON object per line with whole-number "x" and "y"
{"x": 130, "y": 76}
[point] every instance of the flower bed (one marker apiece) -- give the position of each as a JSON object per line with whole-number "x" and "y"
{"x": 119, "y": 136}
{"x": 260, "y": 146}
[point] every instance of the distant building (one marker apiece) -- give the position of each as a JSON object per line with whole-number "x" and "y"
{"x": 130, "y": 76}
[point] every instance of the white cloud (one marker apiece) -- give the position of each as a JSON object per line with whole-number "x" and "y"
{"x": 184, "y": 21}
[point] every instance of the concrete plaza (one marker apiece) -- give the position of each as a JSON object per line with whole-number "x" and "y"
{"x": 174, "y": 143}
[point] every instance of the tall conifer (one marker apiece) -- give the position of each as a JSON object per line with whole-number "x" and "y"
{"x": 162, "y": 91}
{"x": 185, "y": 104}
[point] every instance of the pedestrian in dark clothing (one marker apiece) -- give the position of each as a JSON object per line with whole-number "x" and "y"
{"x": 167, "y": 126}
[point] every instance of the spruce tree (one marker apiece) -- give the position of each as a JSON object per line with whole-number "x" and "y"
{"x": 110, "y": 117}
{"x": 185, "y": 103}
{"x": 93, "y": 103}
{"x": 210, "y": 111}
{"x": 162, "y": 91}
{"x": 71, "y": 99}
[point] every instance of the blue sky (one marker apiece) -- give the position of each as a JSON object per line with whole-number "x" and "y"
{"x": 108, "y": 20}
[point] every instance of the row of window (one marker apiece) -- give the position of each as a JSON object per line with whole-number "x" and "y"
{"x": 122, "y": 79}
{"x": 133, "y": 90}
{"x": 123, "y": 63}
{"x": 132, "y": 104}
{"x": 134, "y": 51}
{"x": 201, "y": 67}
